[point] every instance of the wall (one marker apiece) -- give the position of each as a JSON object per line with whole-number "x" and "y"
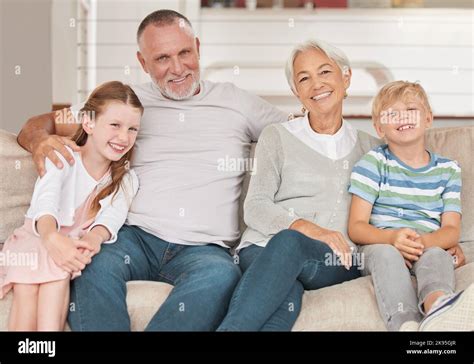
{"x": 64, "y": 27}
{"x": 25, "y": 61}
{"x": 433, "y": 46}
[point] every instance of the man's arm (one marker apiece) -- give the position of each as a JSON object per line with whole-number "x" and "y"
{"x": 43, "y": 134}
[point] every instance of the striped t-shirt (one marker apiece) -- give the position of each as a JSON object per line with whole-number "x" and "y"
{"x": 405, "y": 197}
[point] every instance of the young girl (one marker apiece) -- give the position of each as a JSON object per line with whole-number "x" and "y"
{"x": 73, "y": 211}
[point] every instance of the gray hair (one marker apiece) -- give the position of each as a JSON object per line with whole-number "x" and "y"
{"x": 164, "y": 17}
{"x": 329, "y": 50}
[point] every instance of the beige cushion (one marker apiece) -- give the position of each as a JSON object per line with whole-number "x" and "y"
{"x": 17, "y": 178}
{"x": 458, "y": 144}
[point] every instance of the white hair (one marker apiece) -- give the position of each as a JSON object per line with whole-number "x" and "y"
{"x": 329, "y": 50}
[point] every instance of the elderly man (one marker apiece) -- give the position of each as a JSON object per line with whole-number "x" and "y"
{"x": 185, "y": 214}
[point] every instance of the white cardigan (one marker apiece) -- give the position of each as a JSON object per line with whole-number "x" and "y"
{"x": 61, "y": 191}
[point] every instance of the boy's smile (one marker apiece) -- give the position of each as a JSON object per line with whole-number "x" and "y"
{"x": 404, "y": 122}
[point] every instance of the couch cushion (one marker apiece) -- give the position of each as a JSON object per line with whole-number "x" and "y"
{"x": 458, "y": 144}
{"x": 143, "y": 300}
{"x": 17, "y": 178}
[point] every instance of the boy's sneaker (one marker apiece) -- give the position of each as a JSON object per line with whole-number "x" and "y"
{"x": 455, "y": 313}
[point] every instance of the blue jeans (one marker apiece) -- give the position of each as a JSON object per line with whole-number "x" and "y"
{"x": 289, "y": 257}
{"x": 286, "y": 314}
{"x": 204, "y": 278}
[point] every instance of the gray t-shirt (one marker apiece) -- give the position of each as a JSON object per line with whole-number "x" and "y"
{"x": 190, "y": 157}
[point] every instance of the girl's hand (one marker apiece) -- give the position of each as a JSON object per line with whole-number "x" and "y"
{"x": 94, "y": 241}
{"x": 408, "y": 243}
{"x": 65, "y": 253}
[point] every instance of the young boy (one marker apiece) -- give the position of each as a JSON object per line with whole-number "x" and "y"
{"x": 405, "y": 212}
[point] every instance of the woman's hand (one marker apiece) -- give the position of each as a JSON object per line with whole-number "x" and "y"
{"x": 408, "y": 243}
{"x": 334, "y": 239}
{"x": 65, "y": 251}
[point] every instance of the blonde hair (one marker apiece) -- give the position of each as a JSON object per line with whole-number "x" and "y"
{"x": 398, "y": 91}
{"x": 95, "y": 105}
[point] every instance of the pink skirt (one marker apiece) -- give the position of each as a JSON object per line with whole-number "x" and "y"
{"x": 26, "y": 260}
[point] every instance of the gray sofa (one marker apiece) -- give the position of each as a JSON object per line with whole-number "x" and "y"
{"x": 347, "y": 306}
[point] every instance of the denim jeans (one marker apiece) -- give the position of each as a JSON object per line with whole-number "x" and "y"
{"x": 285, "y": 316}
{"x": 204, "y": 278}
{"x": 289, "y": 257}
{"x": 397, "y": 300}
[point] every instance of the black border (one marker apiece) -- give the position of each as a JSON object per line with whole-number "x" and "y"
{"x": 74, "y": 346}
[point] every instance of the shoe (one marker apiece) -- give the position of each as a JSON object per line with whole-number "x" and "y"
{"x": 456, "y": 313}
{"x": 410, "y": 326}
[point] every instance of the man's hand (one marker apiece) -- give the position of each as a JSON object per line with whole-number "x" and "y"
{"x": 458, "y": 256}
{"x": 407, "y": 242}
{"x": 45, "y": 147}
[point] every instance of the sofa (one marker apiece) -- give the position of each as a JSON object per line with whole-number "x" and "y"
{"x": 350, "y": 306}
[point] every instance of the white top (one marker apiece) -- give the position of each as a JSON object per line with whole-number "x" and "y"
{"x": 61, "y": 191}
{"x": 334, "y": 146}
{"x": 191, "y": 157}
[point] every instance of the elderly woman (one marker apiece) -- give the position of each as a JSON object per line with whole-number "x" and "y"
{"x": 297, "y": 204}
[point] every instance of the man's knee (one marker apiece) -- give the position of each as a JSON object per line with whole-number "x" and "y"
{"x": 226, "y": 274}
{"x": 219, "y": 275}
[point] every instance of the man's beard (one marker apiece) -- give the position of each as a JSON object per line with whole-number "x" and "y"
{"x": 184, "y": 94}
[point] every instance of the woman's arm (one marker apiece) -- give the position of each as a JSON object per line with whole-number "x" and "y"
{"x": 334, "y": 239}
{"x": 261, "y": 213}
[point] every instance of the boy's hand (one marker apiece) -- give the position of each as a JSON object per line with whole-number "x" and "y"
{"x": 458, "y": 256}
{"x": 407, "y": 242}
